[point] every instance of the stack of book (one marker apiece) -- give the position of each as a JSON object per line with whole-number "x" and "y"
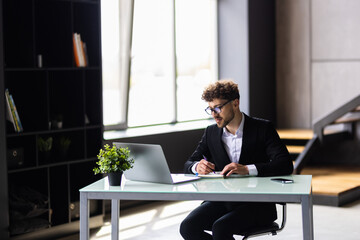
{"x": 11, "y": 113}
{"x": 80, "y": 52}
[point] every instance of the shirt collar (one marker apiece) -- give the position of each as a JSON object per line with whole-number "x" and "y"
{"x": 240, "y": 130}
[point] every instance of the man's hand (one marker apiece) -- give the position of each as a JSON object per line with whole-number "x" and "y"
{"x": 205, "y": 167}
{"x": 235, "y": 168}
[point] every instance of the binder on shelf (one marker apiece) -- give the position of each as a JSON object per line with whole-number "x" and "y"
{"x": 76, "y": 52}
{"x": 16, "y": 115}
{"x": 12, "y": 112}
{"x": 9, "y": 115}
{"x": 86, "y": 58}
{"x": 80, "y": 53}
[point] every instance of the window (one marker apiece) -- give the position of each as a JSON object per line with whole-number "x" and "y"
{"x": 114, "y": 106}
{"x": 196, "y": 55}
{"x": 173, "y": 57}
{"x": 151, "y": 94}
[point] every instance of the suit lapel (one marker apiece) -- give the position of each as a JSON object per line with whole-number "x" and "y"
{"x": 249, "y": 140}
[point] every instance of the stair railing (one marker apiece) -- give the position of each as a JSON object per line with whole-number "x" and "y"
{"x": 331, "y": 118}
{"x": 319, "y": 127}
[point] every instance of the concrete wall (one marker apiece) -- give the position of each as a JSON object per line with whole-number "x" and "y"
{"x": 234, "y": 46}
{"x": 246, "y": 37}
{"x": 318, "y": 58}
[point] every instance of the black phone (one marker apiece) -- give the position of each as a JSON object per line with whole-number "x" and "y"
{"x": 282, "y": 180}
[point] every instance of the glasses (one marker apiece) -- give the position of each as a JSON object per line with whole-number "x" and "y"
{"x": 217, "y": 109}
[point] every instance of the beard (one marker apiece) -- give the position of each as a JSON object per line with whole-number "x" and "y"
{"x": 224, "y": 121}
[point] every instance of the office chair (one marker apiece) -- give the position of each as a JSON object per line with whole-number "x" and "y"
{"x": 273, "y": 229}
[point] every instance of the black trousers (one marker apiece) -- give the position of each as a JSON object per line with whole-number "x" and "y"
{"x": 224, "y": 219}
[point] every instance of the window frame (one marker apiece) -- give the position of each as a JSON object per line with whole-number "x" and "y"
{"x": 125, "y": 67}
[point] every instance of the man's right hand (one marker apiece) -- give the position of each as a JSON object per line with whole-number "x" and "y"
{"x": 205, "y": 167}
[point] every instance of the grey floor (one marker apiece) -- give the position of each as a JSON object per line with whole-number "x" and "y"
{"x": 161, "y": 221}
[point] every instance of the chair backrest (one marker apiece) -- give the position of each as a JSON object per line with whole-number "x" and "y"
{"x": 273, "y": 229}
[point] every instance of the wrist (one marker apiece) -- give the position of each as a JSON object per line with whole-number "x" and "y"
{"x": 194, "y": 168}
{"x": 252, "y": 170}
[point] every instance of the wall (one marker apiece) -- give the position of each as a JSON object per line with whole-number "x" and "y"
{"x": 262, "y": 64}
{"x": 233, "y": 45}
{"x": 318, "y": 58}
{"x": 246, "y": 37}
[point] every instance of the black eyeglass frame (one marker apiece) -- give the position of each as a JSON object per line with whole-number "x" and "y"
{"x": 217, "y": 109}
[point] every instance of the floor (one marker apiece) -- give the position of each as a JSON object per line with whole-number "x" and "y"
{"x": 333, "y": 180}
{"x": 160, "y": 220}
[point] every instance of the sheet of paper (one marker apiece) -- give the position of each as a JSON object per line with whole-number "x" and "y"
{"x": 212, "y": 175}
{"x": 218, "y": 175}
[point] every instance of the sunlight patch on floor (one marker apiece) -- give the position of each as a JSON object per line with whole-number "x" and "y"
{"x": 135, "y": 224}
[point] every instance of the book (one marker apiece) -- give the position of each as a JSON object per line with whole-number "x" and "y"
{"x": 76, "y": 52}
{"x": 80, "y": 53}
{"x": 18, "y": 122}
{"x": 13, "y": 114}
{"x": 9, "y": 115}
{"x": 85, "y": 54}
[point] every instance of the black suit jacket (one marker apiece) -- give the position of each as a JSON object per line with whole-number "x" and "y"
{"x": 261, "y": 146}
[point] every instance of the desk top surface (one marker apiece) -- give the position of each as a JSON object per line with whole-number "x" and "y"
{"x": 243, "y": 185}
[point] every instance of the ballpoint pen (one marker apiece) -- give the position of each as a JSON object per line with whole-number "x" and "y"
{"x": 206, "y": 160}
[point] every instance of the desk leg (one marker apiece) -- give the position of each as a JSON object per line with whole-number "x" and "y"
{"x": 307, "y": 217}
{"x": 84, "y": 216}
{"x": 115, "y": 215}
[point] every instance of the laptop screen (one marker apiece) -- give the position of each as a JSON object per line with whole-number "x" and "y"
{"x": 150, "y": 164}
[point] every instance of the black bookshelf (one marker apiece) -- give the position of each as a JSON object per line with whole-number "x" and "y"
{"x": 55, "y": 100}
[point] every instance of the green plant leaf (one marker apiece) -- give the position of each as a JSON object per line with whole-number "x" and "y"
{"x": 113, "y": 160}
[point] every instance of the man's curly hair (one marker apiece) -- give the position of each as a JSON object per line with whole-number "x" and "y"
{"x": 223, "y": 89}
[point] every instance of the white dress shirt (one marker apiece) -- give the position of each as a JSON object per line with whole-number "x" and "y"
{"x": 233, "y": 144}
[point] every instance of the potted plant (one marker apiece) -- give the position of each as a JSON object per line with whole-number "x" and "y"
{"x": 113, "y": 161}
{"x": 45, "y": 147}
{"x": 63, "y": 145}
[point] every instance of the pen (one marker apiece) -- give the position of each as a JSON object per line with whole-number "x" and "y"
{"x": 206, "y": 160}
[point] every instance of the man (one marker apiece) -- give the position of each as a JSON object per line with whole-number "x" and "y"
{"x": 237, "y": 144}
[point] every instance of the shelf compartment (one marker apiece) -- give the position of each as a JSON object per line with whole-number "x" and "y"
{"x": 66, "y": 93}
{"x": 28, "y": 201}
{"x": 86, "y": 23}
{"x": 93, "y": 97}
{"x": 18, "y": 33}
{"x": 26, "y": 146}
{"x": 35, "y": 179}
{"x": 59, "y": 195}
{"x": 54, "y": 33}
{"x": 29, "y": 89}
{"x": 94, "y": 140}
{"x": 73, "y": 149}
{"x": 80, "y": 176}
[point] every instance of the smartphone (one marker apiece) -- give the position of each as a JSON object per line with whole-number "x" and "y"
{"x": 282, "y": 180}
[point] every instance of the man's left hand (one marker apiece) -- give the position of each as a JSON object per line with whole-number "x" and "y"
{"x": 235, "y": 168}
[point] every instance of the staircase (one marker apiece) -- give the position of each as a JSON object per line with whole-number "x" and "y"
{"x": 295, "y": 140}
{"x": 334, "y": 183}
{"x": 331, "y": 185}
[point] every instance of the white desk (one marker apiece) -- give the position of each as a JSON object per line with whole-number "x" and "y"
{"x": 255, "y": 189}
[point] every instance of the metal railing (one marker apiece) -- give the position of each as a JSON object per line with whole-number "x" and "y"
{"x": 338, "y": 116}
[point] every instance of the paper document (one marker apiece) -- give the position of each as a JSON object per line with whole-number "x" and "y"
{"x": 218, "y": 175}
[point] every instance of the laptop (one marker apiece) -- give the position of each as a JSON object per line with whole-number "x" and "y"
{"x": 150, "y": 165}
